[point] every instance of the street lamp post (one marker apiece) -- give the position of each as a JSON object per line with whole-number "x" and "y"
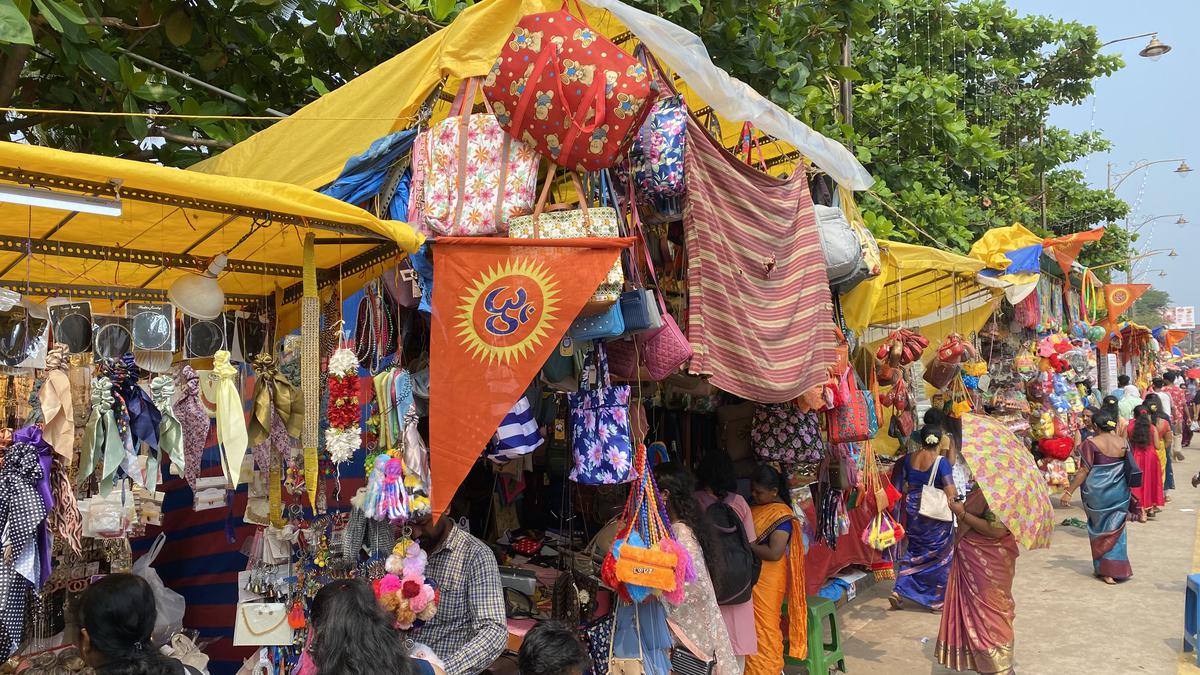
{"x": 1183, "y": 169}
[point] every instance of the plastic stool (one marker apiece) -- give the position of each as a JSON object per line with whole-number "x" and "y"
{"x": 1191, "y": 616}
{"x": 821, "y": 654}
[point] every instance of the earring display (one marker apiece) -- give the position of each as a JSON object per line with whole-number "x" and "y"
{"x": 111, "y": 337}
{"x": 152, "y": 325}
{"x": 202, "y": 338}
{"x": 18, "y": 336}
{"x": 72, "y": 323}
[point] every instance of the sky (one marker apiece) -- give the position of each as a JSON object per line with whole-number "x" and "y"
{"x": 1149, "y": 111}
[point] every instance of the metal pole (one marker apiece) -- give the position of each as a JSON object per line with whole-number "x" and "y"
{"x": 847, "y": 102}
{"x": 199, "y": 83}
{"x": 1041, "y": 144}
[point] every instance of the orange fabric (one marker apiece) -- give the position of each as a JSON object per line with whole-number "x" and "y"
{"x": 1119, "y": 297}
{"x": 1066, "y": 249}
{"x": 499, "y": 307}
{"x": 779, "y": 580}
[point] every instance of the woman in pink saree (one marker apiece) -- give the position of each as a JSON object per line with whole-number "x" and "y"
{"x": 977, "y": 618}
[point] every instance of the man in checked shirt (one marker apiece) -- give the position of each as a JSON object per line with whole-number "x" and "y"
{"x": 469, "y": 630}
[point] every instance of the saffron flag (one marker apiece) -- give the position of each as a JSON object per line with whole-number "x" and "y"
{"x": 500, "y": 307}
{"x": 1119, "y": 297}
{"x": 1066, "y": 248}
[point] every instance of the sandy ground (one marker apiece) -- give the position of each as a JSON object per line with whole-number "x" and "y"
{"x": 1067, "y": 622}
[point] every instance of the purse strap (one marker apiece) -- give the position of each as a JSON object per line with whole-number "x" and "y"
{"x": 933, "y": 470}
{"x": 688, "y": 644}
{"x": 540, "y": 207}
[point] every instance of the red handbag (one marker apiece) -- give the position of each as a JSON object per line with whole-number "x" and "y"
{"x": 562, "y": 87}
{"x": 1056, "y": 448}
{"x": 850, "y": 421}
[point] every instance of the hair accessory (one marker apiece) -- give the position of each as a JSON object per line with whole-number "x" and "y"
{"x": 405, "y": 591}
{"x": 931, "y": 439}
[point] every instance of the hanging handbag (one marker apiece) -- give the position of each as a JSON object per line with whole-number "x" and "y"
{"x": 262, "y": 624}
{"x": 657, "y": 152}
{"x": 853, "y": 419}
{"x": 600, "y": 427}
{"x": 934, "y": 502}
{"x": 624, "y": 358}
{"x": 902, "y": 425}
{"x": 564, "y": 88}
{"x": 1133, "y": 472}
{"x": 608, "y": 324}
{"x": 781, "y": 432}
{"x": 580, "y": 223}
{"x": 462, "y": 155}
{"x": 940, "y": 374}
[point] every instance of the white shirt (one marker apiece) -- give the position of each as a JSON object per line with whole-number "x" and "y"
{"x": 1165, "y": 399}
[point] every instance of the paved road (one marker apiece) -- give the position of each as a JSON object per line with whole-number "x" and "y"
{"x": 1067, "y": 622}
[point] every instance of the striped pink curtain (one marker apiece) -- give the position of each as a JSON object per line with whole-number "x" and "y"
{"x": 761, "y": 316}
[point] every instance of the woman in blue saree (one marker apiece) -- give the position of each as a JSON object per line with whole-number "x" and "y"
{"x": 1105, "y": 498}
{"x": 922, "y": 570}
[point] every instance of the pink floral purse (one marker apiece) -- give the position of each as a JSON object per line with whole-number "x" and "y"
{"x": 473, "y": 176}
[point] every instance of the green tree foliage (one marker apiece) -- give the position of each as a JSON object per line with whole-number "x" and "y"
{"x": 949, "y": 97}
{"x": 1148, "y": 308}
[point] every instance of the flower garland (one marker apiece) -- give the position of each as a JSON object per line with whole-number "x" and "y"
{"x": 343, "y": 437}
{"x": 404, "y": 591}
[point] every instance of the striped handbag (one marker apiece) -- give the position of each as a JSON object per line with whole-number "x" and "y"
{"x": 518, "y": 434}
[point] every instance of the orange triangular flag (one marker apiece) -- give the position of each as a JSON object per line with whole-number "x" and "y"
{"x": 500, "y": 306}
{"x": 1118, "y": 298}
{"x": 1066, "y": 248}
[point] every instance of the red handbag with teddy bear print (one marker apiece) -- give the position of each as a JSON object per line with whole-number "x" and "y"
{"x": 568, "y": 91}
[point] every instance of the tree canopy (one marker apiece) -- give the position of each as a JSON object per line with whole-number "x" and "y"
{"x": 950, "y": 99}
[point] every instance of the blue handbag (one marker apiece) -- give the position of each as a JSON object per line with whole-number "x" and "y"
{"x": 601, "y": 439}
{"x": 609, "y": 324}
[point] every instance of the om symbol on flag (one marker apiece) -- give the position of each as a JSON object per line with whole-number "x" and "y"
{"x": 504, "y": 314}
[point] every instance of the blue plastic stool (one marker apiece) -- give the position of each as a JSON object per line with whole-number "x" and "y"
{"x": 1191, "y": 616}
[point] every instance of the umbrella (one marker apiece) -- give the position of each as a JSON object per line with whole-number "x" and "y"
{"x": 1004, "y": 470}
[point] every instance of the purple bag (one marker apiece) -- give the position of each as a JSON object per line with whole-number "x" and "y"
{"x": 601, "y": 442}
{"x": 782, "y": 433}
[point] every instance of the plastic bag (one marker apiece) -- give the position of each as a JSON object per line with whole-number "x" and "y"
{"x": 169, "y": 604}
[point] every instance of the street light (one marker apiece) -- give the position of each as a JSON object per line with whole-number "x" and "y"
{"x": 1155, "y": 49}
{"x": 1183, "y": 169}
{"x": 1151, "y": 219}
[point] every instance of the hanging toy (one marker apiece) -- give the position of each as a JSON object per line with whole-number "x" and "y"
{"x": 1095, "y": 333}
{"x": 394, "y": 506}
{"x": 405, "y": 591}
{"x": 373, "y": 497}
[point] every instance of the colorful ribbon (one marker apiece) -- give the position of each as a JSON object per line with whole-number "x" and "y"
{"x": 273, "y": 391}
{"x": 231, "y": 419}
{"x": 57, "y": 407}
{"x": 194, "y": 421}
{"x": 310, "y": 317}
{"x": 170, "y": 431}
{"x": 101, "y": 439}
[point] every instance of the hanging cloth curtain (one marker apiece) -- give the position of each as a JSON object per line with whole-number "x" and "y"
{"x": 170, "y": 431}
{"x": 58, "y": 410}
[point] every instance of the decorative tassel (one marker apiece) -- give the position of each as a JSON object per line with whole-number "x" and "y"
{"x": 310, "y": 367}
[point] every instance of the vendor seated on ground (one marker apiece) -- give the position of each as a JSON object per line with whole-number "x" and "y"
{"x": 552, "y": 648}
{"x": 469, "y": 630}
{"x": 116, "y": 618}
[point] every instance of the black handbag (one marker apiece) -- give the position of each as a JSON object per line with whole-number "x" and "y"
{"x": 1133, "y": 472}
{"x": 683, "y": 662}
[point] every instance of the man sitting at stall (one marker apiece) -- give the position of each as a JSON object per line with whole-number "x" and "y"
{"x": 469, "y": 630}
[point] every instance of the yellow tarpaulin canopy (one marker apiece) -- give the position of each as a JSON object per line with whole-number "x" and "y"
{"x": 994, "y": 243}
{"x": 915, "y": 281}
{"x": 310, "y": 147}
{"x": 171, "y": 211}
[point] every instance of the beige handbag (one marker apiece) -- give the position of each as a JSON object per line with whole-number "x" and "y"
{"x": 578, "y": 223}
{"x": 262, "y": 624}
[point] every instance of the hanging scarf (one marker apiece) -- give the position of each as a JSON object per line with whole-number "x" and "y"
{"x": 66, "y": 523}
{"x": 57, "y": 408}
{"x": 144, "y": 418}
{"x": 101, "y": 439}
{"x": 117, "y": 371}
{"x": 273, "y": 391}
{"x": 193, "y": 419}
{"x": 32, "y": 436}
{"x": 231, "y": 418}
{"x": 22, "y": 512}
{"x": 170, "y": 431}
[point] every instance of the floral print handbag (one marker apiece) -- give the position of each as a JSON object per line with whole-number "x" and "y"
{"x": 782, "y": 433}
{"x": 601, "y": 441}
{"x": 474, "y": 177}
{"x": 657, "y": 152}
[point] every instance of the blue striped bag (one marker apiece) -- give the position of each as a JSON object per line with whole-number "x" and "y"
{"x": 518, "y": 434}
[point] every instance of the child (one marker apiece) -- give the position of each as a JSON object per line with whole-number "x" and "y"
{"x": 551, "y": 648}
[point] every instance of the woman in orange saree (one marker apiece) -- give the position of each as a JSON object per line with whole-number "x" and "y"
{"x": 977, "y": 618}
{"x": 780, "y": 546}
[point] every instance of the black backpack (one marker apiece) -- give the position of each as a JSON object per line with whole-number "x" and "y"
{"x": 740, "y": 567}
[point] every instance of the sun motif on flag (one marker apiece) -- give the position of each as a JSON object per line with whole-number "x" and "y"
{"x": 506, "y": 313}
{"x": 1120, "y": 296}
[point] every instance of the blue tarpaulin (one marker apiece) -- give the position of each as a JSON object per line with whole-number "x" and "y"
{"x": 363, "y": 175}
